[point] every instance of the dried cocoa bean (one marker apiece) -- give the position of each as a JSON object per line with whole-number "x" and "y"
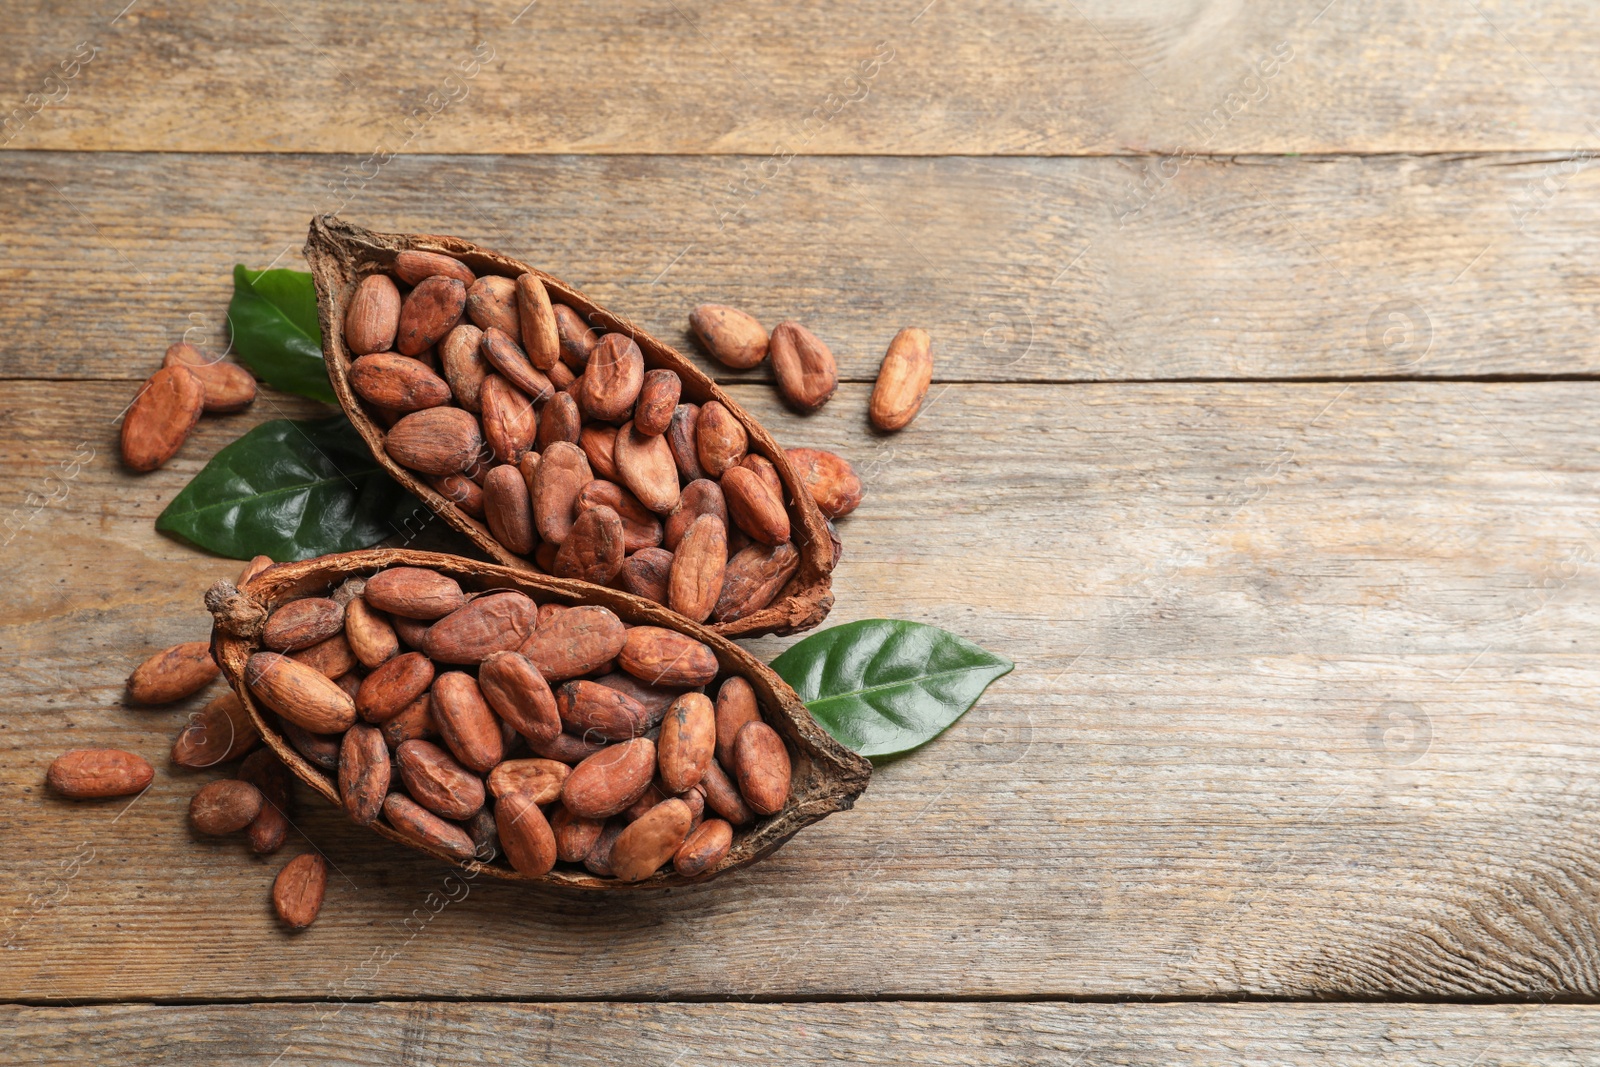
{"x": 903, "y": 380}
{"x": 594, "y": 549}
{"x": 414, "y": 720}
{"x": 563, "y": 472}
{"x": 753, "y": 577}
{"x": 397, "y": 383}
{"x": 598, "y": 861}
{"x": 414, "y": 266}
{"x": 364, "y": 773}
{"x": 831, "y": 480}
{"x": 509, "y": 422}
{"x": 508, "y": 509}
{"x": 697, "y": 568}
{"x": 704, "y": 848}
{"x": 416, "y": 823}
{"x": 437, "y": 782}
{"x": 462, "y": 362}
{"x": 519, "y": 694}
{"x": 443, "y": 440}
{"x": 611, "y": 779}
{"x": 539, "y": 334}
{"x": 591, "y": 710}
{"x": 650, "y": 840}
{"x": 720, "y": 439}
{"x": 729, "y": 336}
{"x": 389, "y": 689}
{"x": 559, "y": 421}
{"x": 428, "y": 312}
{"x": 645, "y": 465}
{"x": 761, "y": 763}
{"x": 529, "y": 844}
{"x": 762, "y": 467}
{"x": 722, "y": 796}
{"x": 658, "y": 399}
{"x": 465, "y": 721}
{"x": 414, "y": 593}
{"x": 647, "y": 573}
{"x": 267, "y": 773}
{"x": 302, "y": 623}
{"x": 172, "y": 674}
{"x": 93, "y": 773}
{"x": 599, "y": 444}
{"x": 160, "y": 418}
{"x": 640, "y": 527}
{"x": 683, "y": 440}
{"x": 319, "y": 750}
{"x": 224, "y": 807}
{"x": 658, "y": 656}
{"x": 298, "y": 890}
{"x": 299, "y": 693}
{"x": 507, "y": 357}
{"x": 688, "y": 742}
{"x": 371, "y": 638}
{"x": 578, "y": 641}
{"x": 613, "y": 378}
{"x": 700, "y": 497}
{"x": 492, "y": 303}
{"x": 577, "y": 339}
{"x": 497, "y": 621}
{"x": 227, "y": 386}
{"x": 575, "y": 835}
{"x": 754, "y": 508}
{"x": 373, "y": 316}
{"x": 541, "y": 779}
{"x": 736, "y": 705}
{"x": 331, "y": 657}
{"x": 218, "y": 732}
{"x": 804, "y": 368}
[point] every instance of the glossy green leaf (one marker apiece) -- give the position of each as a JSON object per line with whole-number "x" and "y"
{"x": 290, "y": 490}
{"x": 884, "y": 686}
{"x": 273, "y": 316}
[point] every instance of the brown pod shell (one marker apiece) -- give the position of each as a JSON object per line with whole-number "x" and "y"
{"x": 392, "y": 687}
{"x": 428, "y": 312}
{"x": 646, "y": 467}
{"x": 414, "y": 593}
{"x": 492, "y": 302}
{"x": 903, "y": 380}
{"x": 658, "y": 656}
{"x": 594, "y": 549}
{"x": 613, "y": 378}
{"x": 731, "y": 337}
{"x": 219, "y": 732}
{"x": 224, "y": 807}
{"x": 463, "y": 365}
{"x": 303, "y": 623}
{"x": 700, "y": 497}
{"x": 437, "y": 782}
{"x": 720, "y": 439}
{"x": 736, "y": 705}
{"x": 494, "y": 622}
{"x": 412, "y": 822}
{"x": 539, "y": 334}
{"x": 507, "y": 357}
{"x": 830, "y": 479}
{"x": 397, "y": 383}
{"x": 575, "y": 642}
{"x": 508, "y": 508}
{"x": 704, "y": 848}
{"x": 331, "y": 656}
{"x": 227, "y": 386}
{"x": 658, "y": 399}
{"x": 298, "y": 891}
{"x": 611, "y": 779}
{"x": 510, "y": 423}
{"x": 559, "y": 421}
{"x": 562, "y": 474}
{"x": 364, "y": 773}
{"x": 95, "y": 773}
{"x": 647, "y": 573}
{"x": 299, "y": 693}
{"x": 753, "y": 507}
{"x": 804, "y": 367}
{"x": 373, "y": 315}
{"x": 722, "y": 796}
{"x": 591, "y": 710}
{"x": 413, "y": 267}
{"x": 519, "y": 694}
{"x": 529, "y": 843}
{"x": 688, "y": 742}
{"x": 752, "y": 578}
{"x": 683, "y": 439}
{"x": 371, "y": 638}
{"x": 172, "y": 674}
{"x": 577, "y": 338}
{"x": 442, "y": 440}
{"x": 539, "y": 778}
{"x": 161, "y": 416}
{"x": 414, "y": 720}
{"x": 651, "y": 840}
{"x": 761, "y": 764}
{"x": 466, "y": 722}
{"x": 697, "y": 568}
{"x": 575, "y": 834}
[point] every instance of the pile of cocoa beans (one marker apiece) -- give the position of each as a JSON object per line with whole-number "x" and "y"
{"x": 568, "y": 449}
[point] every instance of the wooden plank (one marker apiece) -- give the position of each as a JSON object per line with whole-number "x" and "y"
{"x": 927, "y": 1035}
{"x": 1304, "y": 705}
{"x": 905, "y": 78}
{"x": 1021, "y": 269}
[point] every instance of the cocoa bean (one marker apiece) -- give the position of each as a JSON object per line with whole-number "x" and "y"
{"x": 416, "y": 823}
{"x": 700, "y": 497}
{"x": 224, "y": 807}
{"x": 390, "y": 688}
{"x": 640, "y": 527}
{"x": 319, "y": 750}
{"x": 442, "y": 440}
{"x": 575, "y": 835}
{"x": 683, "y": 440}
{"x": 93, "y": 773}
{"x": 507, "y": 357}
{"x": 611, "y": 779}
{"x": 591, "y": 710}
{"x": 613, "y": 378}
{"x": 578, "y": 641}
{"x": 509, "y": 422}
{"x": 722, "y": 796}
{"x": 804, "y": 368}
{"x": 299, "y": 693}
{"x": 414, "y": 593}
{"x": 397, "y": 383}
{"x": 697, "y": 569}
{"x": 658, "y": 656}
{"x": 720, "y": 439}
{"x": 465, "y": 721}
{"x": 754, "y": 576}
{"x": 599, "y": 444}
{"x": 729, "y": 336}
{"x": 563, "y": 472}
{"x": 704, "y": 848}
{"x": 688, "y": 742}
{"x": 754, "y": 508}
{"x": 428, "y": 312}
{"x": 645, "y": 465}
{"x": 437, "y": 782}
{"x": 762, "y": 467}
{"x": 414, "y": 720}
{"x": 830, "y": 478}
{"x": 539, "y": 334}
{"x": 577, "y": 339}
{"x": 736, "y": 705}
{"x": 298, "y": 890}
{"x": 761, "y": 763}
{"x": 496, "y": 621}
{"x": 903, "y": 380}
{"x": 332, "y": 657}
{"x": 492, "y": 302}
{"x": 598, "y": 861}
{"x": 371, "y": 638}
{"x": 519, "y": 694}
{"x": 413, "y": 267}
{"x": 364, "y": 773}
{"x": 529, "y": 844}
{"x": 559, "y": 421}
{"x": 650, "y": 841}
{"x": 508, "y": 509}
{"x": 227, "y": 386}
{"x": 302, "y": 623}
{"x": 541, "y": 779}
{"x": 267, "y": 773}
{"x": 658, "y": 399}
{"x": 373, "y": 315}
{"x": 647, "y": 573}
{"x": 463, "y": 365}
{"x": 218, "y": 732}
{"x": 594, "y": 548}
{"x": 161, "y": 416}
{"x": 172, "y": 674}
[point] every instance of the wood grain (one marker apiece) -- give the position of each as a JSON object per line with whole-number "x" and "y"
{"x": 1304, "y": 706}
{"x": 718, "y": 76}
{"x": 895, "y": 1033}
{"x": 1022, "y": 270}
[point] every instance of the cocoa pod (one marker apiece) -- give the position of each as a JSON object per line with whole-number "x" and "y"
{"x": 688, "y": 742}
{"x": 565, "y": 748}
{"x": 722, "y": 796}
{"x": 320, "y": 750}
{"x": 509, "y": 422}
{"x": 226, "y": 386}
{"x": 224, "y": 807}
{"x": 598, "y": 861}
{"x": 172, "y": 674}
{"x": 519, "y": 694}
{"x": 539, "y": 334}
{"x": 563, "y": 472}
{"x": 736, "y": 705}
{"x": 299, "y": 693}
{"x": 697, "y": 568}
{"x": 529, "y": 844}
{"x": 658, "y": 399}
{"x": 428, "y": 312}
{"x": 658, "y": 656}
{"x": 507, "y": 357}
{"x": 389, "y": 689}
{"x": 577, "y": 339}
{"x": 508, "y": 509}
{"x": 302, "y": 623}
{"x": 646, "y": 467}
{"x": 803, "y": 366}
{"x": 298, "y": 890}
{"x": 591, "y": 710}
{"x": 331, "y": 657}
{"x": 575, "y": 835}
{"x": 752, "y": 578}
{"x": 559, "y": 421}
{"x": 640, "y": 527}
{"x": 496, "y": 621}
{"x": 397, "y": 383}
{"x": 729, "y": 336}
{"x": 762, "y": 467}
{"x": 578, "y": 641}
{"x": 414, "y": 593}
{"x": 613, "y": 378}
{"x": 161, "y": 416}
{"x": 437, "y": 782}
{"x": 650, "y": 841}
{"x": 93, "y": 773}
{"x": 373, "y": 317}
{"x": 465, "y": 721}
{"x": 416, "y": 823}
{"x": 541, "y": 779}
{"x": 720, "y": 439}
{"x": 463, "y": 365}
{"x": 700, "y": 497}
{"x": 704, "y": 848}
{"x": 761, "y": 763}
{"x": 414, "y": 720}
{"x": 218, "y": 732}
{"x": 647, "y": 573}
{"x": 754, "y": 508}
{"x": 492, "y": 303}
{"x": 371, "y": 638}
{"x": 414, "y": 266}
{"x": 599, "y": 444}
{"x": 594, "y": 549}
{"x": 266, "y": 772}
{"x": 903, "y": 380}
{"x": 830, "y": 479}
{"x": 611, "y": 779}
{"x": 442, "y": 440}
{"x": 364, "y": 773}
{"x": 684, "y": 441}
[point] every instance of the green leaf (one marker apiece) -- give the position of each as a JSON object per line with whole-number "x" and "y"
{"x": 273, "y": 316}
{"x": 884, "y": 686}
{"x": 290, "y": 490}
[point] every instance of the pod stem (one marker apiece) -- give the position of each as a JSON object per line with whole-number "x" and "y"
{"x": 235, "y": 612}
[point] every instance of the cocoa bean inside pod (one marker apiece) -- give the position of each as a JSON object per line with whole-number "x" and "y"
{"x": 532, "y": 366}
{"x": 593, "y": 674}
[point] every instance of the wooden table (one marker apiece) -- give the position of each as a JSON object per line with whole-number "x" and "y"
{"x": 1263, "y": 439}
